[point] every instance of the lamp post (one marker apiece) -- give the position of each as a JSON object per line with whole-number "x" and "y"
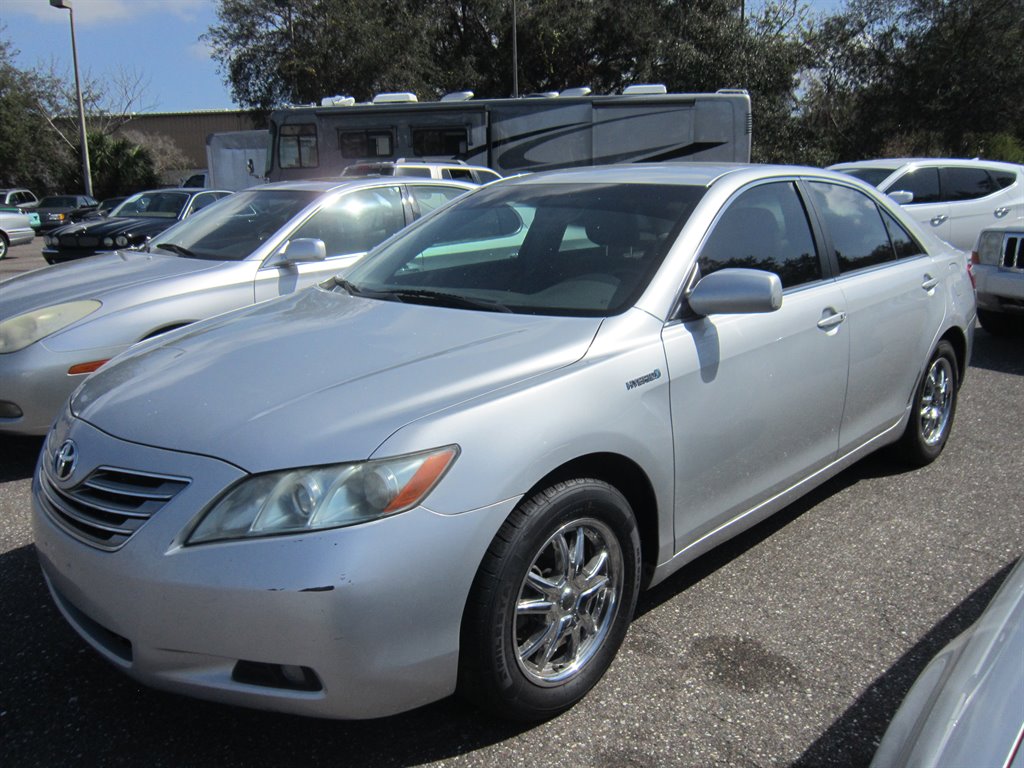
{"x": 86, "y": 171}
{"x": 515, "y": 53}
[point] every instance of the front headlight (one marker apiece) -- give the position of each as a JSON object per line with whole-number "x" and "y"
{"x": 108, "y": 242}
{"x": 121, "y": 241}
{"x": 315, "y": 498}
{"x": 18, "y": 332}
{"x": 989, "y": 247}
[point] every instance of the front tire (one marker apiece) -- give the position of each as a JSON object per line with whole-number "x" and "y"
{"x": 551, "y": 601}
{"x": 931, "y": 416}
{"x": 3, "y": 245}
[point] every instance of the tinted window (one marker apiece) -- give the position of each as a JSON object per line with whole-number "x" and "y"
{"x": 923, "y": 182}
{"x": 764, "y": 228}
{"x": 445, "y": 142}
{"x": 1003, "y": 179}
{"x": 902, "y": 242}
{"x": 873, "y": 176}
{"x": 201, "y": 201}
{"x": 562, "y": 249}
{"x": 356, "y": 144}
{"x": 966, "y": 184}
{"x": 855, "y": 225}
{"x": 297, "y": 146}
{"x": 429, "y": 198}
{"x": 160, "y": 205}
{"x": 412, "y": 170}
{"x": 356, "y": 222}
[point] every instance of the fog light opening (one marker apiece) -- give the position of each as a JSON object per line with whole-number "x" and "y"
{"x": 289, "y": 677}
{"x": 10, "y": 410}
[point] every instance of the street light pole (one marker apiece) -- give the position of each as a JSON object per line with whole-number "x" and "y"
{"x": 515, "y": 53}
{"x": 86, "y": 170}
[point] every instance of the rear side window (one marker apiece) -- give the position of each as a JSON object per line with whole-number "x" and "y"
{"x": 922, "y": 182}
{"x": 430, "y": 197}
{"x": 966, "y": 184}
{"x": 1003, "y": 179}
{"x": 902, "y": 241}
{"x": 859, "y": 236}
{"x": 764, "y": 228}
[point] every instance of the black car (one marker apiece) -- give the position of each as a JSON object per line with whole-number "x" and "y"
{"x": 58, "y": 210}
{"x": 129, "y": 225}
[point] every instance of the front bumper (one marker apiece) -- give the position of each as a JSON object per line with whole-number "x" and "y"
{"x": 56, "y": 255}
{"x": 35, "y": 384}
{"x": 373, "y": 611}
{"x": 999, "y": 289}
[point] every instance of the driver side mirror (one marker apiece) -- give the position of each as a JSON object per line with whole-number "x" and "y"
{"x": 902, "y": 196}
{"x": 730, "y": 291}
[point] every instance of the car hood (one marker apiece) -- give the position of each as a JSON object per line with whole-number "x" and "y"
{"x": 317, "y": 377}
{"x": 96, "y": 277}
{"x": 136, "y": 227}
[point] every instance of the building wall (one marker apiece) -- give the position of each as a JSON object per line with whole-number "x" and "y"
{"x": 188, "y": 130}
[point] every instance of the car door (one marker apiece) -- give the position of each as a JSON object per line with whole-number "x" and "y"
{"x": 975, "y": 202}
{"x": 349, "y": 225}
{"x": 928, "y": 207}
{"x": 894, "y": 307}
{"x": 756, "y": 399}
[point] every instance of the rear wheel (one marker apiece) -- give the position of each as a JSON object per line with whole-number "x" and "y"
{"x": 934, "y": 407}
{"x": 3, "y": 245}
{"x": 551, "y": 602}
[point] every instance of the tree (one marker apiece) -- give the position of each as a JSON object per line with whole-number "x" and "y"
{"x": 119, "y": 167}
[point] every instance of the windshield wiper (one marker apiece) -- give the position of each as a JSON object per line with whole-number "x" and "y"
{"x": 175, "y": 248}
{"x": 442, "y": 299}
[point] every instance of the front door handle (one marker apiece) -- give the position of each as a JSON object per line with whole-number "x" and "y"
{"x": 929, "y": 282}
{"x": 830, "y": 319}
{"x": 1000, "y": 212}
{"x": 938, "y": 221}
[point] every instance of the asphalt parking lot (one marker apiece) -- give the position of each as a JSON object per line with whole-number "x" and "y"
{"x": 791, "y": 645}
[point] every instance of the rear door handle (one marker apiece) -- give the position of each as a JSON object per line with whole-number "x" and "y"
{"x": 929, "y": 282}
{"x": 830, "y": 321}
{"x": 937, "y": 221}
{"x": 1000, "y": 212}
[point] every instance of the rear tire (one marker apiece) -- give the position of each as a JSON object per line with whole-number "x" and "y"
{"x": 551, "y": 601}
{"x": 933, "y": 409}
{"x": 3, "y": 245}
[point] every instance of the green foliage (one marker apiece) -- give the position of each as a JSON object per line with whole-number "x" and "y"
{"x": 118, "y": 166}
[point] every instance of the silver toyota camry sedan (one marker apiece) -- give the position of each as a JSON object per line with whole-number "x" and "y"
{"x": 454, "y": 468}
{"x": 59, "y": 324}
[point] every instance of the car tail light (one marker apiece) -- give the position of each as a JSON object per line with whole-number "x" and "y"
{"x": 970, "y": 269}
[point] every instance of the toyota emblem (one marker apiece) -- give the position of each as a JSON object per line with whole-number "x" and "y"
{"x": 65, "y": 459}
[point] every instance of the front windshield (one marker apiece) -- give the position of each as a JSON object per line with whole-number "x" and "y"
{"x": 234, "y": 226}
{"x": 561, "y": 249}
{"x": 873, "y": 176}
{"x": 156, "y": 205}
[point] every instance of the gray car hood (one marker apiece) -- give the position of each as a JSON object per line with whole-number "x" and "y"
{"x": 92, "y": 278}
{"x": 317, "y": 377}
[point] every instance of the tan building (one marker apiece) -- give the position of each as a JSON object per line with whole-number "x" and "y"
{"x": 188, "y": 130}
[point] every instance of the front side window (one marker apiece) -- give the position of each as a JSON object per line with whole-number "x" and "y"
{"x": 966, "y": 184}
{"x": 357, "y": 221}
{"x": 764, "y": 228}
{"x": 297, "y": 146}
{"x": 153, "y": 205}
{"x": 922, "y": 182}
{"x": 558, "y": 249}
{"x": 859, "y": 236}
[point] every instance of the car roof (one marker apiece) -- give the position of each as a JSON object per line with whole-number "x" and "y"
{"x": 683, "y": 173}
{"x": 898, "y": 162}
{"x": 354, "y": 182}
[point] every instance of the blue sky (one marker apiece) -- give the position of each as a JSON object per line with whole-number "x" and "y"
{"x": 156, "y": 41}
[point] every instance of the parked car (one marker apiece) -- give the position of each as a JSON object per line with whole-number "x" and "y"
{"x": 967, "y": 707}
{"x": 956, "y": 199}
{"x": 454, "y": 467}
{"x": 998, "y": 266}
{"x": 106, "y": 207}
{"x": 426, "y": 169}
{"x": 128, "y": 225}
{"x": 58, "y": 210}
{"x": 15, "y": 229}
{"x": 18, "y": 197}
{"x": 59, "y": 323}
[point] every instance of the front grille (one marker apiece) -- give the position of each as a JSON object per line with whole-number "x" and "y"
{"x": 76, "y": 241}
{"x": 1013, "y": 252}
{"x": 110, "y": 505}
{"x": 88, "y": 242}
{"x": 68, "y": 241}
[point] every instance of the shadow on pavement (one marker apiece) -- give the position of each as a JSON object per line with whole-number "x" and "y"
{"x": 1002, "y": 354}
{"x": 18, "y": 456}
{"x": 859, "y": 729}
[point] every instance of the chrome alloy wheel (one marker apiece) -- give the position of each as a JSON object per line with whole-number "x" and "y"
{"x": 567, "y": 601}
{"x": 936, "y": 401}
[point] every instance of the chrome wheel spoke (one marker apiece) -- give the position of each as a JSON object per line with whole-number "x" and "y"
{"x": 534, "y": 607}
{"x": 545, "y": 586}
{"x": 561, "y": 629}
{"x": 537, "y": 641}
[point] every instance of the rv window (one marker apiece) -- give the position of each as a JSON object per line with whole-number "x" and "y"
{"x": 297, "y": 146}
{"x": 362, "y": 144}
{"x": 443, "y": 142}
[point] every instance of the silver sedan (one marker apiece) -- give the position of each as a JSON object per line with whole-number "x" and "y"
{"x": 61, "y": 323}
{"x": 455, "y": 467}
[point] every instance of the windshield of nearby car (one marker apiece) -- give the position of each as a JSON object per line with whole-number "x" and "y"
{"x": 63, "y": 201}
{"x": 235, "y": 226}
{"x": 562, "y": 249}
{"x": 160, "y": 205}
{"x": 873, "y": 176}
